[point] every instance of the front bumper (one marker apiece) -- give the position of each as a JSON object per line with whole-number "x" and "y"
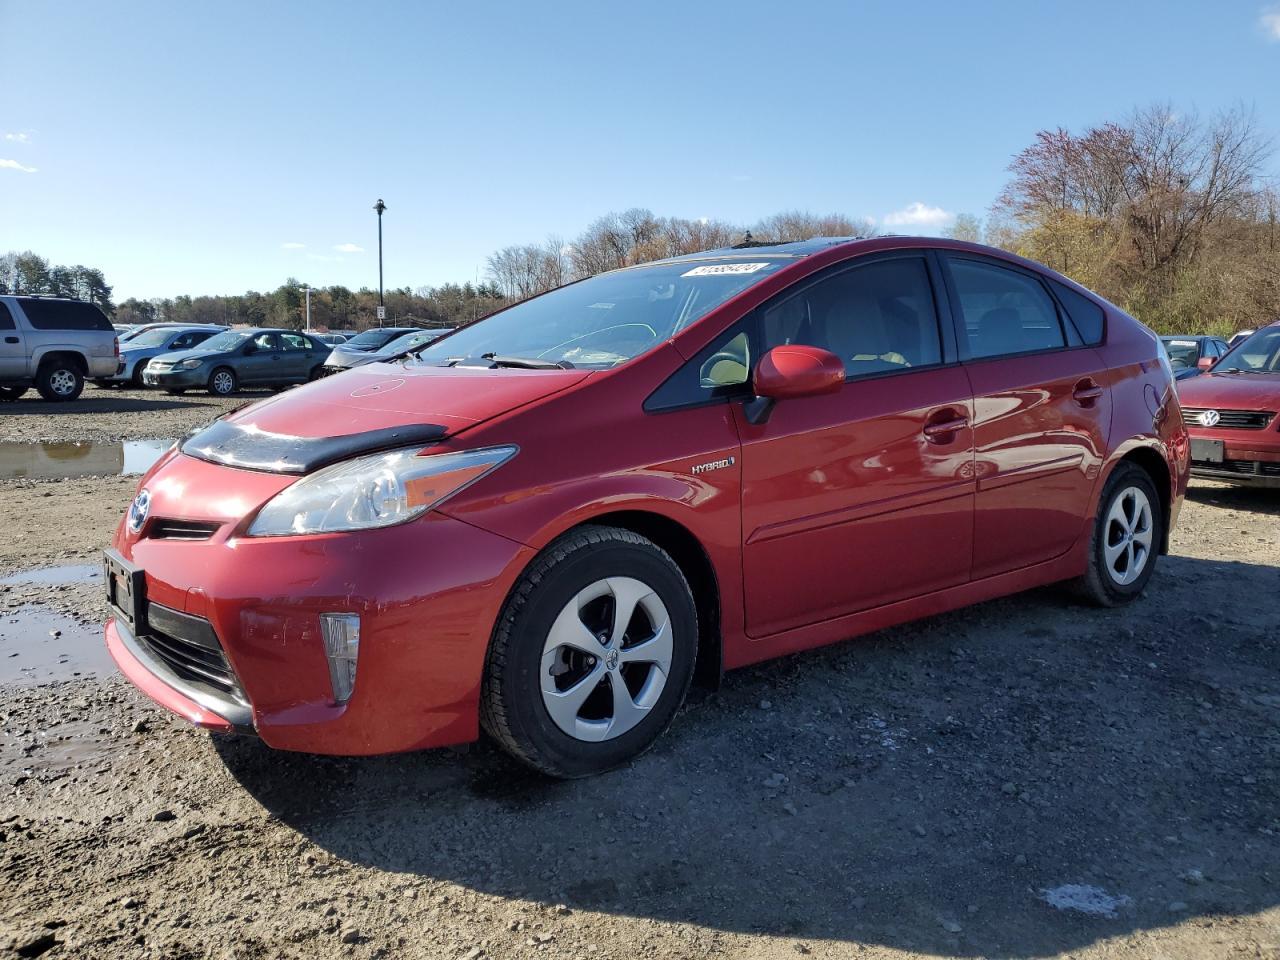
{"x": 427, "y": 593}
{"x": 176, "y": 379}
{"x": 1249, "y": 457}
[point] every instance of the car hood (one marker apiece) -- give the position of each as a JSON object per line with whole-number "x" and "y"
{"x": 1232, "y": 391}
{"x": 382, "y": 396}
{"x": 177, "y": 356}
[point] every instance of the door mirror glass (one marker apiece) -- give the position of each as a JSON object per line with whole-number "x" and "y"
{"x": 797, "y": 370}
{"x": 1205, "y": 363}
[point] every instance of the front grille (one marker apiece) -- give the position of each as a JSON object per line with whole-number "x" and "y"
{"x": 1256, "y": 468}
{"x": 165, "y": 529}
{"x": 190, "y": 648}
{"x": 1229, "y": 419}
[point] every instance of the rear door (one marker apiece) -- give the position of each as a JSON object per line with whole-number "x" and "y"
{"x": 13, "y": 353}
{"x": 862, "y": 497}
{"x": 1042, "y": 413}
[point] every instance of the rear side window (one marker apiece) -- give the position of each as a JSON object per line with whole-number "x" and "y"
{"x": 1085, "y": 315}
{"x": 6, "y": 318}
{"x": 1004, "y": 311}
{"x": 64, "y": 315}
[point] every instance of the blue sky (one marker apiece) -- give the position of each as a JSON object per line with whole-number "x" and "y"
{"x": 181, "y": 147}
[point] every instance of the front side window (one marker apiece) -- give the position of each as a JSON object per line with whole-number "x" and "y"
{"x": 1004, "y": 311}
{"x": 878, "y": 318}
{"x": 609, "y": 319}
{"x": 266, "y": 341}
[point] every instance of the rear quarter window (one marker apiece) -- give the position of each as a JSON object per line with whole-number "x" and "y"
{"x": 64, "y": 315}
{"x": 1086, "y": 316}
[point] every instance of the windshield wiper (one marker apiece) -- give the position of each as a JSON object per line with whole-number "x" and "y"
{"x": 518, "y": 363}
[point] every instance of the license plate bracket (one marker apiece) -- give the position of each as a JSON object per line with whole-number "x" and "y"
{"x": 1206, "y": 451}
{"x": 126, "y": 590}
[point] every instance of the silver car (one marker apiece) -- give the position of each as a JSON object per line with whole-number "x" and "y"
{"x": 138, "y": 351}
{"x": 54, "y": 345}
{"x": 341, "y": 360}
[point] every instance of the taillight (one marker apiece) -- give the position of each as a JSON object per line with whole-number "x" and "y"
{"x": 115, "y": 347}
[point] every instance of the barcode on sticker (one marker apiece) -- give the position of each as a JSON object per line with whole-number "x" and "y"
{"x": 720, "y": 269}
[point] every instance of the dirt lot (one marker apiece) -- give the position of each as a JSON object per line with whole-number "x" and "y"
{"x": 1025, "y": 778}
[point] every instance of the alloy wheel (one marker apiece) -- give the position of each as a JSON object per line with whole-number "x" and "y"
{"x": 223, "y": 382}
{"x": 606, "y": 659}
{"x": 1127, "y": 536}
{"x": 62, "y": 382}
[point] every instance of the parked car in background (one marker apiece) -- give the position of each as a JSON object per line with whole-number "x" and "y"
{"x": 332, "y": 339}
{"x": 136, "y": 353}
{"x": 250, "y": 357}
{"x": 345, "y": 360}
{"x": 122, "y": 328}
{"x": 1191, "y": 354}
{"x": 1231, "y": 413}
{"x": 371, "y": 340}
{"x": 1239, "y": 337}
{"x": 548, "y": 521}
{"x": 54, "y": 345}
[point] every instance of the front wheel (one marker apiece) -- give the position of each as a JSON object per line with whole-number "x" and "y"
{"x": 592, "y": 654}
{"x": 222, "y": 382}
{"x": 1127, "y": 535}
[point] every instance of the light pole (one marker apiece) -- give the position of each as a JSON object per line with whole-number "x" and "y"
{"x": 382, "y": 309}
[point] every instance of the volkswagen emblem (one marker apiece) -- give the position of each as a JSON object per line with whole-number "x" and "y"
{"x": 1210, "y": 418}
{"x": 138, "y": 511}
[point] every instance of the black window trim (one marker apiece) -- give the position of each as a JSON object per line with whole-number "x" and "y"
{"x": 957, "y": 315}
{"x": 752, "y": 323}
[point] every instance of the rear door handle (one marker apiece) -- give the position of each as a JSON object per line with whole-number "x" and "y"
{"x": 944, "y": 430}
{"x": 1086, "y": 393}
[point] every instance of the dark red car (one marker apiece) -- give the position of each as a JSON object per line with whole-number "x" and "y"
{"x": 549, "y": 523}
{"x": 1230, "y": 413}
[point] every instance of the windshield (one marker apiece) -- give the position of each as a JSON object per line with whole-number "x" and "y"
{"x": 1182, "y": 353}
{"x": 151, "y": 338}
{"x": 373, "y": 339}
{"x": 411, "y": 340}
{"x": 225, "y": 341}
{"x": 1259, "y": 354}
{"x": 605, "y": 320}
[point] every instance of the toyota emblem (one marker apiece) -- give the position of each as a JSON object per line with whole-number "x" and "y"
{"x": 138, "y": 511}
{"x": 1210, "y": 418}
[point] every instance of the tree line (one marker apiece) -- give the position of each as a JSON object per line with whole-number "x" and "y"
{"x": 1167, "y": 214}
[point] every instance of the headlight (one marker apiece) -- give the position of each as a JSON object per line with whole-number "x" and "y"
{"x": 374, "y": 491}
{"x": 190, "y": 364}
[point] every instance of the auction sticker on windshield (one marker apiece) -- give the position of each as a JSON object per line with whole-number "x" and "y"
{"x": 720, "y": 269}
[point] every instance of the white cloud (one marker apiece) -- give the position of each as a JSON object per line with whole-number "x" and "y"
{"x": 18, "y": 137}
{"x": 348, "y": 248}
{"x": 1269, "y": 21}
{"x": 15, "y": 165}
{"x": 291, "y": 245}
{"x": 919, "y": 215}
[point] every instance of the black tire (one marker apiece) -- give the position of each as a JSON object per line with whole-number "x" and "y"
{"x": 1100, "y": 584}
{"x": 512, "y": 710}
{"x": 316, "y": 372}
{"x": 223, "y": 382}
{"x": 59, "y": 380}
{"x": 104, "y": 384}
{"x": 135, "y": 378}
{"x": 9, "y": 394}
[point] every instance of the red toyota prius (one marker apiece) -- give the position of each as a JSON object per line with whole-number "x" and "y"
{"x": 549, "y": 523}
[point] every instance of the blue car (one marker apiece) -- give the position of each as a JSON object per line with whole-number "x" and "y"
{"x": 141, "y": 349}
{"x": 1186, "y": 353}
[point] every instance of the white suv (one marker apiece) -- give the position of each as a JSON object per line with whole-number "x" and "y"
{"x": 53, "y": 344}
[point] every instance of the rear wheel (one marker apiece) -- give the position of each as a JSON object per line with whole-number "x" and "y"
{"x": 59, "y": 379}
{"x": 592, "y": 655}
{"x": 316, "y": 372}
{"x": 222, "y": 382}
{"x": 1127, "y": 535}
{"x": 136, "y": 378}
{"x": 8, "y": 394}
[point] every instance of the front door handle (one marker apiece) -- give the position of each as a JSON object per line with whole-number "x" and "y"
{"x": 1086, "y": 392}
{"x": 944, "y": 430}
{"x": 11, "y": 340}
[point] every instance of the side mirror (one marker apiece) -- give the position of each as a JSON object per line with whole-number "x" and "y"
{"x": 1206, "y": 363}
{"x": 790, "y": 372}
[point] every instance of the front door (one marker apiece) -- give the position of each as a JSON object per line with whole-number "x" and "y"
{"x": 862, "y": 497}
{"x": 1042, "y": 412}
{"x": 262, "y": 363}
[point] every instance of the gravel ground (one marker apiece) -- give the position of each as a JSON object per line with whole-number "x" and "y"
{"x": 1024, "y": 778}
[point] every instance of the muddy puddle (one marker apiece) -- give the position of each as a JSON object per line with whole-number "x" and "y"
{"x": 50, "y": 460}
{"x": 38, "y": 645}
{"x": 67, "y": 573}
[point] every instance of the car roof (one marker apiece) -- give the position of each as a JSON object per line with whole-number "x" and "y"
{"x": 791, "y": 250}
